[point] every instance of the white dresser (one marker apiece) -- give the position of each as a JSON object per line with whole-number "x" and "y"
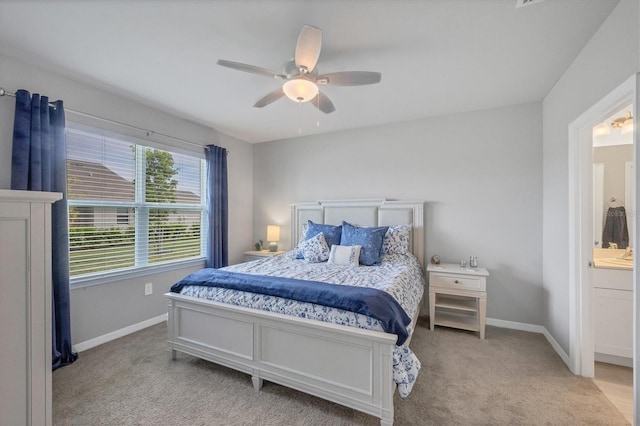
{"x": 25, "y": 305}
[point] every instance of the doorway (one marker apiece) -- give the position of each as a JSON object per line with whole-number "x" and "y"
{"x": 584, "y": 190}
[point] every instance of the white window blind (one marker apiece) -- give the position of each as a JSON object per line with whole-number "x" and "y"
{"x": 130, "y": 205}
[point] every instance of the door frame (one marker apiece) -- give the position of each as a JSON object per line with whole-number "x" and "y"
{"x": 581, "y": 300}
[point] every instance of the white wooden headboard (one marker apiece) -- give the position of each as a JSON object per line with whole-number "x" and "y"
{"x": 374, "y": 212}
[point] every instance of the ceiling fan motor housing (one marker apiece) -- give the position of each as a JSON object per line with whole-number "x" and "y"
{"x": 291, "y": 70}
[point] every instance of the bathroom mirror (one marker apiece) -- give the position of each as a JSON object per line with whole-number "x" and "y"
{"x": 613, "y": 182}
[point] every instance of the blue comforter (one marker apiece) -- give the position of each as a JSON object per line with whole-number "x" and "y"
{"x": 363, "y": 300}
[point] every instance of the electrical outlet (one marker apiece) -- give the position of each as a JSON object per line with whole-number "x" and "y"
{"x": 148, "y": 289}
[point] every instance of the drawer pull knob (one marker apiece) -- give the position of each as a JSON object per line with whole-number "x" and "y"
{"x": 457, "y": 282}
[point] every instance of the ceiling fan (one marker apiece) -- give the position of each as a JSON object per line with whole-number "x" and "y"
{"x": 301, "y": 75}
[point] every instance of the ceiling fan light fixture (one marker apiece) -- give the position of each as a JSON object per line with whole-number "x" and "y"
{"x": 300, "y": 89}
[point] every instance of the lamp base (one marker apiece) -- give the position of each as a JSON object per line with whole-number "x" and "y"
{"x": 273, "y": 246}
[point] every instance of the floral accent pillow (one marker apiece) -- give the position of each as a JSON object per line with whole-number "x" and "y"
{"x": 369, "y": 237}
{"x": 396, "y": 240}
{"x": 332, "y": 234}
{"x": 298, "y": 251}
{"x": 345, "y": 255}
{"x": 315, "y": 249}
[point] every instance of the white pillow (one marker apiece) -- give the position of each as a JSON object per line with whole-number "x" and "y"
{"x": 396, "y": 240}
{"x": 345, "y": 255}
{"x": 315, "y": 249}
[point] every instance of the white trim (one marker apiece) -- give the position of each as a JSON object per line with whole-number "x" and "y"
{"x": 532, "y": 328}
{"x": 556, "y": 346}
{"x": 630, "y": 199}
{"x": 92, "y": 343}
{"x": 581, "y": 333}
{"x": 613, "y": 359}
{"x": 29, "y": 196}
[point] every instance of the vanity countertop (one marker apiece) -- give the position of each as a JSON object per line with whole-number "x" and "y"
{"x": 611, "y": 259}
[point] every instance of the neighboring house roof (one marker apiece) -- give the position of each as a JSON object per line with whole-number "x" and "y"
{"x": 87, "y": 180}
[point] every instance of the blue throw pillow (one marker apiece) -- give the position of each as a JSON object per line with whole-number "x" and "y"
{"x": 332, "y": 233}
{"x": 370, "y": 238}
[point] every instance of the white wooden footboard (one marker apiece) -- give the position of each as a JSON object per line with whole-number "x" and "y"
{"x": 346, "y": 365}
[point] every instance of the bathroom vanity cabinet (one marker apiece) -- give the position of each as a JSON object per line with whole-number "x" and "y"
{"x": 613, "y": 296}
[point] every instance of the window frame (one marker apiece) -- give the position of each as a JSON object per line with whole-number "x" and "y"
{"x": 141, "y": 265}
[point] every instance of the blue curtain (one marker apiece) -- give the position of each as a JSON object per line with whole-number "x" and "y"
{"x": 38, "y": 163}
{"x": 217, "y": 203}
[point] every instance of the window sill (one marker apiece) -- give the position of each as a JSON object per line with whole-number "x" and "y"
{"x": 109, "y": 277}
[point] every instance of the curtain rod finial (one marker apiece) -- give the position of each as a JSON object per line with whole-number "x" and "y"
{"x": 2, "y": 91}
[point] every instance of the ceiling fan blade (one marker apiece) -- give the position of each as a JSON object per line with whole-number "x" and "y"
{"x": 323, "y": 103}
{"x": 349, "y": 78}
{"x": 250, "y": 69}
{"x": 308, "y": 47}
{"x": 269, "y": 98}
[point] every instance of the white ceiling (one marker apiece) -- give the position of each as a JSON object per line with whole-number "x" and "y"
{"x": 436, "y": 57}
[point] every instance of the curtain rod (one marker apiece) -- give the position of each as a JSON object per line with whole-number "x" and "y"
{"x": 4, "y": 92}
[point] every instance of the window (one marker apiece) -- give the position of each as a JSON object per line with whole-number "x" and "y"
{"x": 131, "y": 205}
{"x": 124, "y": 216}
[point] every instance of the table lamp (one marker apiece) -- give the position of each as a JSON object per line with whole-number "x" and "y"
{"x": 273, "y": 236}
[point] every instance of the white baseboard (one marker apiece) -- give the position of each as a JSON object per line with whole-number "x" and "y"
{"x": 92, "y": 343}
{"x": 555, "y": 345}
{"x": 534, "y": 329}
{"x": 522, "y": 326}
{"x": 613, "y": 359}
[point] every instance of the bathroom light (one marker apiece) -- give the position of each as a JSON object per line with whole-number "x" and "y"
{"x": 273, "y": 236}
{"x": 625, "y": 124}
{"x": 601, "y": 130}
{"x": 300, "y": 89}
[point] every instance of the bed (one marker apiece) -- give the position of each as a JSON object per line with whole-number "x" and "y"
{"x": 349, "y": 365}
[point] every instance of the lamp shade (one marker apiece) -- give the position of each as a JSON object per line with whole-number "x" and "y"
{"x": 273, "y": 235}
{"x": 300, "y": 89}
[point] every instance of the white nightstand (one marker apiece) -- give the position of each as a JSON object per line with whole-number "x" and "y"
{"x": 255, "y": 255}
{"x": 458, "y": 297}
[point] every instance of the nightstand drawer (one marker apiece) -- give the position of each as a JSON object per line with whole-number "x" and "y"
{"x": 458, "y": 281}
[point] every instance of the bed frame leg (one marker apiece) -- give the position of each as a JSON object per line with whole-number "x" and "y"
{"x": 174, "y": 354}
{"x": 257, "y": 382}
{"x": 384, "y": 422}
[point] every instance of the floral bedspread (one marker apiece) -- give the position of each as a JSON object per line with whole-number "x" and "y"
{"x": 398, "y": 274}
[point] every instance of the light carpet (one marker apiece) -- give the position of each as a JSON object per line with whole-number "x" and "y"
{"x": 512, "y": 377}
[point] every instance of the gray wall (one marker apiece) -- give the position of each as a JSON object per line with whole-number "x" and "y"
{"x": 104, "y": 308}
{"x": 610, "y": 57}
{"x": 480, "y": 174}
